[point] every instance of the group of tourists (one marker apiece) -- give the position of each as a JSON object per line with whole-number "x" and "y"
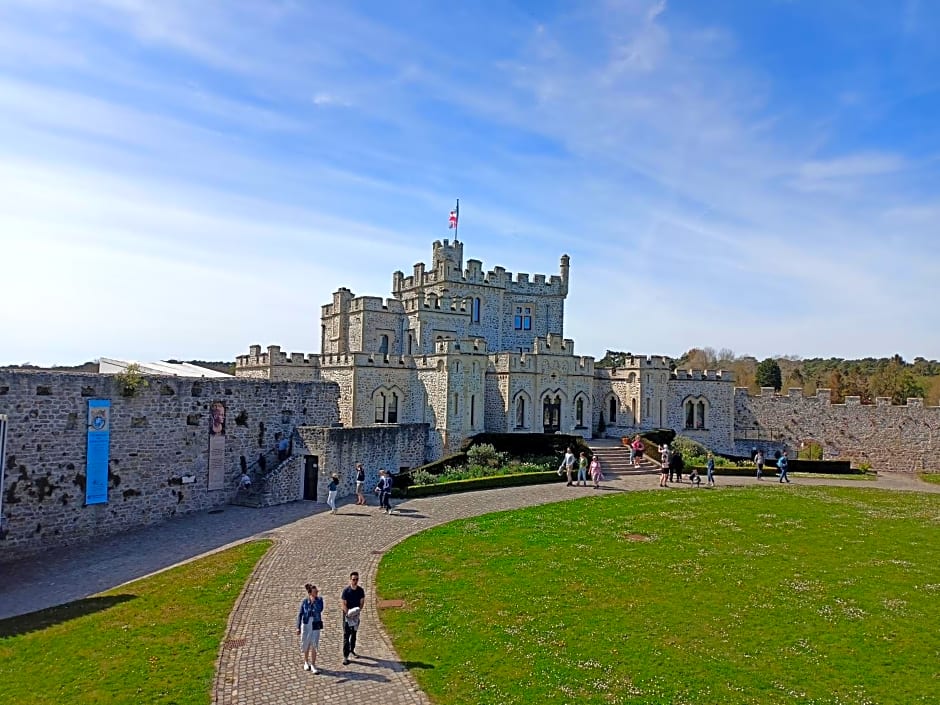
{"x": 310, "y": 621}
{"x": 584, "y": 466}
{"x": 383, "y": 489}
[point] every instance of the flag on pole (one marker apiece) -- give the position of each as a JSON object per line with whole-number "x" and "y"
{"x": 454, "y": 215}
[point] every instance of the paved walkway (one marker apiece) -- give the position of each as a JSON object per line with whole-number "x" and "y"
{"x": 260, "y": 660}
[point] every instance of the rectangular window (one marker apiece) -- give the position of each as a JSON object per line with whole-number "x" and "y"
{"x": 380, "y": 408}
{"x": 517, "y": 320}
{"x": 473, "y": 400}
{"x": 527, "y": 319}
{"x": 393, "y": 409}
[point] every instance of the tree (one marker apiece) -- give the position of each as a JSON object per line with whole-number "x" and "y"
{"x": 768, "y": 374}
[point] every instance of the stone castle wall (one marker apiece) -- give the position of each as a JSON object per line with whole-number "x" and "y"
{"x": 891, "y": 438}
{"x": 157, "y": 437}
{"x": 339, "y": 449}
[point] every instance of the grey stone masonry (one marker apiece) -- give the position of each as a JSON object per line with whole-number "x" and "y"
{"x": 904, "y": 438}
{"x": 159, "y": 448}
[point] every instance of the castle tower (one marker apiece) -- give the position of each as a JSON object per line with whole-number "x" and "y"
{"x": 447, "y": 256}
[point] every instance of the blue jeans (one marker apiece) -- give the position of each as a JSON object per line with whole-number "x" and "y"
{"x": 582, "y": 474}
{"x": 783, "y": 474}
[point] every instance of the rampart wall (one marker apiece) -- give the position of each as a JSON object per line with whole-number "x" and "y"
{"x": 158, "y": 437}
{"x": 898, "y": 438}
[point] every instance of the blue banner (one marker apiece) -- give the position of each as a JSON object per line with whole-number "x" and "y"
{"x": 99, "y": 451}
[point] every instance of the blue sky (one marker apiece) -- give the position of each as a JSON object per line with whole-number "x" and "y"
{"x": 181, "y": 180}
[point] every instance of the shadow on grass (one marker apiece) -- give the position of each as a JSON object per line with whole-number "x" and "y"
{"x": 42, "y": 619}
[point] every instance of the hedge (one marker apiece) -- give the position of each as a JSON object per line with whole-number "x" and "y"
{"x": 477, "y": 483}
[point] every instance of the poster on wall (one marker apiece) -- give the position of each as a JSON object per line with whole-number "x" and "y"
{"x": 99, "y": 451}
{"x": 216, "y": 445}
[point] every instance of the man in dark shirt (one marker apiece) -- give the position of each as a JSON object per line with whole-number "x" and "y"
{"x": 353, "y": 597}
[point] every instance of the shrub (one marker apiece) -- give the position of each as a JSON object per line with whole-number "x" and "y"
{"x": 486, "y": 455}
{"x": 422, "y": 477}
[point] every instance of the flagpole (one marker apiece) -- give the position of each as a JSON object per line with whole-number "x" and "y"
{"x": 457, "y": 223}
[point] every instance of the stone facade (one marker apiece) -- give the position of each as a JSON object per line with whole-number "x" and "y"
{"x": 158, "y": 437}
{"x": 463, "y": 349}
{"x": 895, "y": 438}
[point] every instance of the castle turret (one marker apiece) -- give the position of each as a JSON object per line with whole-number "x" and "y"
{"x": 448, "y": 255}
{"x": 565, "y": 269}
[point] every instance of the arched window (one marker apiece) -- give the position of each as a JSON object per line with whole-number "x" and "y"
{"x": 696, "y": 412}
{"x": 383, "y": 344}
{"x": 579, "y": 412}
{"x": 613, "y": 410}
{"x": 520, "y": 412}
{"x": 380, "y": 407}
{"x": 392, "y": 415}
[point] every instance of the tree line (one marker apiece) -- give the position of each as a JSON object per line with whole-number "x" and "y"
{"x": 866, "y": 378}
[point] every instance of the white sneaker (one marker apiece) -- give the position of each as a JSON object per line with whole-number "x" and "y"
{"x": 313, "y": 670}
{"x": 306, "y": 666}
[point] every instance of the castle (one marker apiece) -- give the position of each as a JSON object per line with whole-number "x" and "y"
{"x": 467, "y": 350}
{"x": 398, "y": 382}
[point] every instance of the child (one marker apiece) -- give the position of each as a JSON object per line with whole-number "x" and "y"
{"x": 596, "y": 473}
{"x": 694, "y": 477}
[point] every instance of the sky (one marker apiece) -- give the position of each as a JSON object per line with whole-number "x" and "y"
{"x": 182, "y": 180}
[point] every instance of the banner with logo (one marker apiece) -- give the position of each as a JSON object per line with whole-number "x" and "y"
{"x": 216, "y": 445}
{"x": 99, "y": 451}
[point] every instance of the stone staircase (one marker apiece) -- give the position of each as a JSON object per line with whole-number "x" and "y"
{"x": 615, "y": 459}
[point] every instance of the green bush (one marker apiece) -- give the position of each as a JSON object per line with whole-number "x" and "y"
{"x": 485, "y": 454}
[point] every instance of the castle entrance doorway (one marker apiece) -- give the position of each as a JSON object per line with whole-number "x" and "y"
{"x": 551, "y": 415}
{"x": 311, "y": 475}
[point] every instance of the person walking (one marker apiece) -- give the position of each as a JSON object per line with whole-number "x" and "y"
{"x": 353, "y": 598}
{"x": 582, "y": 469}
{"x": 782, "y": 465}
{"x": 632, "y": 454}
{"x": 710, "y": 470}
{"x": 596, "y": 474}
{"x": 637, "y": 451}
{"x": 759, "y": 464}
{"x": 384, "y": 488}
{"x": 332, "y": 488}
{"x": 567, "y": 464}
{"x": 360, "y": 484}
{"x": 309, "y": 625}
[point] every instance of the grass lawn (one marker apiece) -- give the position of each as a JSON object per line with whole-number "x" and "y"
{"x": 742, "y": 595}
{"x": 151, "y": 641}
{"x": 931, "y": 477}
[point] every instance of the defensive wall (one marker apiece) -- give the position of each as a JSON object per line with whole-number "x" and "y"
{"x": 159, "y": 448}
{"x": 892, "y": 438}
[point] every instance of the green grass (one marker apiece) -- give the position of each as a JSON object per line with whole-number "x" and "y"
{"x": 151, "y": 641}
{"x": 862, "y": 477}
{"x": 744, "y": 595}
{"x": 931, "y": 477}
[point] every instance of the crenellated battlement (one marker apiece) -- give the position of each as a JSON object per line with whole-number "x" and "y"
{"x": 703, "y": 375}
{"x": 553, "y": 345}
{"x": 366, "y": 359}
{"x": 823, "y": 397}
{"x": 468, "y": 346}
{"x": 274, "y": 356}
{"x": 376, "y": 303}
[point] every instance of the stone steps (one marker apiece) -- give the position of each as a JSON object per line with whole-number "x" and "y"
{"x": 615, "y": 460}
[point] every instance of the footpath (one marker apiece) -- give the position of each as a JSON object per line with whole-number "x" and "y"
{"x": 260, "y": 662}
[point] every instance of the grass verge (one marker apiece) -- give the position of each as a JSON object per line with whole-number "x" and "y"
{"x": 747, "y": 595}
{"x": 151, "y": 641}
{"x": 931, "y": 477}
